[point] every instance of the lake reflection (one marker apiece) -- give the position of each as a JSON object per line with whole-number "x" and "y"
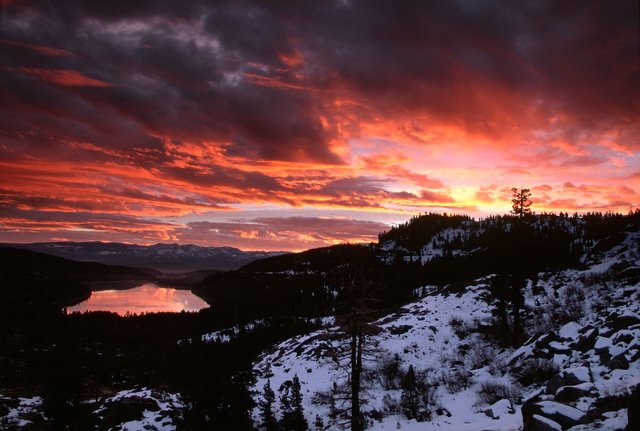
{"x": 147, "y": 298}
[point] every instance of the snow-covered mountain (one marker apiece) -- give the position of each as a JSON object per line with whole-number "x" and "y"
{"x": 576, "y": 371}
{"x": 161, "y": 257}
{"x": 441, "y": 353}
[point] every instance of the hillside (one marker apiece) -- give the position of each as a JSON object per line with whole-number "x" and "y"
{"x": 576, "y": 368}
{"x": 168, "y": 258}
{"x": 495, "y": 324}
{"x": 37, "y": 279}
{"x": 430, "y": 249}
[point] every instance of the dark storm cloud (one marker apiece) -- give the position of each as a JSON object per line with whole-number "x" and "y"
{"x": 177, "y": 67}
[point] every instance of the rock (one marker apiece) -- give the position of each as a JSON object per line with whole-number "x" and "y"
{"x": 569, "y": 394}
{"x": 499, "y": 409}
{"x": 604, "y": 357}
{"x": 540, "y": 423}
{"x": 570, "y": 377}
{"x": 541, "y": 415}
{"x": 559, "y": 348}
{"x": 587, "y": 340}
{"x": 623, "y": 336}
{"x": 398, "y": 330}
{"x": 602, "y": 343}
{"x": 633, "y": 416}
{"x": 563, "y": 414}
{"x": 544, "y": 340}
{"x": 619, "y": 362}
{"x": 624, "y": 321}
{"x": 570, "y": 331}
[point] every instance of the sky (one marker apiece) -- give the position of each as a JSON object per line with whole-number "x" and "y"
{"x": 279, "y": 125}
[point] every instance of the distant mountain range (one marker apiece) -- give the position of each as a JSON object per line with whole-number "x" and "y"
{"x": 168, "y": 258}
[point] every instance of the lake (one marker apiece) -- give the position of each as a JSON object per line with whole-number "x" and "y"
{"x": 147, "y": 298}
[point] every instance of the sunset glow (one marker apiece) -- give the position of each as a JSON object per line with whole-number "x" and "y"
{"x": 286, "y": 126}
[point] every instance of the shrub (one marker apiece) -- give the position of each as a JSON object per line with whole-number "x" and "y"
{"x": 459, "y": 326}
{"x": 535, "y": 371}
{"x": 479, "y": 354}
{"x": 390, "y": 373}
{"x": 456, "y": 379}
{"x": 418, "y": 399}
{"x": 492, "y": 391}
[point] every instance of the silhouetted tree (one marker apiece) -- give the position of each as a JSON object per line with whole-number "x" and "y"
{"x": 521, "y": 202}
{"x": 355, "y": 320}
{"x": 269, "y": 421}
{"x": 291, "y": 404}
{"x": 416, "y": 396}
{"x": 500, "y": 290}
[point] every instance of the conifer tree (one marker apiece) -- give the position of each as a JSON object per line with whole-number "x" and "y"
{"x": 409, "y": 400}
{"x": 521, "y": 202}
{"x": 269, "y": 421}
{"x": 417, "y": 396}
{"x": 291, "y": 403}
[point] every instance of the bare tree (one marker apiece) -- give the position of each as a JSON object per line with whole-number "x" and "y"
{"x": 355, "y": 317}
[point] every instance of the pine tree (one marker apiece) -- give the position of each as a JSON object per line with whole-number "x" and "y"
{"x": 409, "y": 400}
{"x": 291, "y": 403}
{"x": 417, "y": 396}
{"x": 269, "y": 421}
{"x": 520, "y": 202}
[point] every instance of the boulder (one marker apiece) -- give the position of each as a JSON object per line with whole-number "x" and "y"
{"x": 570, "y": 331}
{"x": 559, "y": 348}
{"x": 624, "y": 320}
{"x": 587, "y": 340}
{"x": 619, "y": 362}
{"x": 623, "y": 336}
{"x": 540, "y": 423}
{"x": 544, "y": 340}
{"x": 563, "y": 414}
{"x": 604, "y": 357}
{"x": 569, "y": 394}
{"x": 633, "y": 416}
{"x": 570, "y": 377}
{"x": 602, "y": 343}
{"x": 500, "y": 408}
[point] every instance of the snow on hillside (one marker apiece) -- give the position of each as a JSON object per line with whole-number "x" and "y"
{"x": 586, "y": 329}
{"x": 421, "y": 334}
{"x": 136, "y": 409}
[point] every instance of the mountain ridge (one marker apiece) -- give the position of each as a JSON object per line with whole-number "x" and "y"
{"x": 163, "y": 257}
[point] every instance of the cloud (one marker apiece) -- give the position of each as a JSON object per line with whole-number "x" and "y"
{"x": 164, "y": 110}
{"x": 281, "y": 233}
{"x": 65, "y": 78}
{"x": 40, "y": 49}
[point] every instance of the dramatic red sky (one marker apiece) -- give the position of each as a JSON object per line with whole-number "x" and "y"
{"x": 289, "y": 125}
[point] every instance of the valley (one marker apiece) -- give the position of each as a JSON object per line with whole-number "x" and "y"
{"x": 462, "y": 324}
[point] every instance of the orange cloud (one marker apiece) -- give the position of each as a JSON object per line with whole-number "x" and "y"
{"x": 63, "y": 77}
{"x": 41, "y": 49}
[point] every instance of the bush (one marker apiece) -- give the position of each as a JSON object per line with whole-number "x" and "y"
{"x": 535, "y": 371}
{"x": 390, "y": 373}
{"x": 459, "y": 326}
{"x": 480, "y": 354}
{"x": 418, "y": 399}
{"x": 492, "y": 391}
{"x": 456, "y": 379}
{"x": 568, "y": 306}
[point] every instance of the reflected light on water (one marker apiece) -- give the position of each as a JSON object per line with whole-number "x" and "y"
{"x": 147, "y": 298}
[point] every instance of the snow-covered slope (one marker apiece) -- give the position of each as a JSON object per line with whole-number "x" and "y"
{"x": 128, "y": 410}
{"x": 582, "y": 359}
